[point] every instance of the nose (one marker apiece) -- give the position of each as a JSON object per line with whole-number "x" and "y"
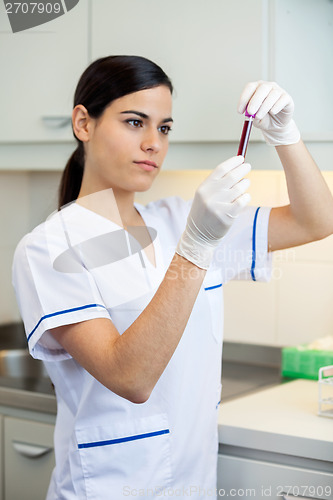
{"x": 151, "y": 141}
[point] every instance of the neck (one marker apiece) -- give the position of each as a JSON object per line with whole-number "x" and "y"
{"x": 118, "y": 206}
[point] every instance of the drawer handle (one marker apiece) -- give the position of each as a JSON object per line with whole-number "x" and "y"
{"x": 56, "y": 121}
{"x": 31, "y": 450}
{"x": 291, "y": 497}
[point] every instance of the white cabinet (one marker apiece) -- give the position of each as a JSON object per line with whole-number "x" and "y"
{"x": 209, "y": 50}
{"x": 28, "y": 459}
{"x": 302, "y": 47}
{"x": 39, "y": 71}
{"x": 241, "y": 477}
{"x": 272, "y": 442}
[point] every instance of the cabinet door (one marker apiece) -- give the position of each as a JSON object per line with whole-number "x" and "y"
{"x": 242, "y": 477}
{"x": 209, "y": 49}
{"x": 29, "y": 459}
{"x": 39, "y": 72}
{"x": 302, "y": 62}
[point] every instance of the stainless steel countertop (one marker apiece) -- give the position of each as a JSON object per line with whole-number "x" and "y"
{"x": 245, "y": 369}
{"x": 28, "y": 394}
{"x": 238, "y": 379}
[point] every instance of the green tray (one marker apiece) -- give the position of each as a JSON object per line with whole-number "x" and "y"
{"x": 300, "y": 362}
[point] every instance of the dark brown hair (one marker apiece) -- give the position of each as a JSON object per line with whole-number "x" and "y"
{"x": 105, "y": 80}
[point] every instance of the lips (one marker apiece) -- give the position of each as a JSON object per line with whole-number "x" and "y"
{"x": 146, "y": 165}
{"x": 146, "y": 162}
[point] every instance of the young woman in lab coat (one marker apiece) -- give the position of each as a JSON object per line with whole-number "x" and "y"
{"x": 124, "y": 303}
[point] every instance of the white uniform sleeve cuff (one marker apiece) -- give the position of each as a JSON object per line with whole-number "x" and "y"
{"x": 42, "y": 345}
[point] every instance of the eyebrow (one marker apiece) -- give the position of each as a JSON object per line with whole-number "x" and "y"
{"x": 143, "y": 115}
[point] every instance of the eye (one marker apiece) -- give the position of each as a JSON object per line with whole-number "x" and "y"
{"x": 135, "y": 123}
{"x": 165, "y": 129}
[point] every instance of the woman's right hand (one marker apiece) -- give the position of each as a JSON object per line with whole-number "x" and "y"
{"x": 217, "y": 203}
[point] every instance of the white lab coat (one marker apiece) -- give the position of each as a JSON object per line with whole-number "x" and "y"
{"x": 107, "y": 447}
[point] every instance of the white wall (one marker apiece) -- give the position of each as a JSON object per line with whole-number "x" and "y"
{"x": 26, "y": 199}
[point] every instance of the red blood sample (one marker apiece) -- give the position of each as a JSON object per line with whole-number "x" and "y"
{"x": 244, "y": 140}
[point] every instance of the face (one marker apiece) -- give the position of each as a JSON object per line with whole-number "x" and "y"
{"x": 126, "y": 146}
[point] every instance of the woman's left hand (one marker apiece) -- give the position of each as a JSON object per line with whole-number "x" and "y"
{"x": 274, "y": 110}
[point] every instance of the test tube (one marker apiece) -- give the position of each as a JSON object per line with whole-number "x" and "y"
{"x": 244, "y": 140}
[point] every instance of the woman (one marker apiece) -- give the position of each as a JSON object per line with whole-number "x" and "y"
{"x": 123, "y": 303}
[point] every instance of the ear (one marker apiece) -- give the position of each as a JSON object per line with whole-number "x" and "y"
{"x": 82, "y": 123}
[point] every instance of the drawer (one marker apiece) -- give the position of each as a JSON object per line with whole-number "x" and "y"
{"x": 28, "y": 459}
{"x": 242, "y": 477}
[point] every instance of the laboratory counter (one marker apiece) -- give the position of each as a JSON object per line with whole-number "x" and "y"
{"x": 37, "y": 394}
{"x": 273, "y": 443}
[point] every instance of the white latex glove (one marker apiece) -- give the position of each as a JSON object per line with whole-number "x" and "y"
{"x": 274, "y": 110}
{"x": 216, "y": 204}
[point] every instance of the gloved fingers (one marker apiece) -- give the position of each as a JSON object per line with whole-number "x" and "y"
{"x": 222, "y": 196}
{"x": 221, "y": 189}
{"x": 235, "y": 175}
{"x": 239, "y": 189}
{"x": 264, "y": 97}
{"x": 237, "y": 205}
{"x": 246, "y": 95}
{"x": 284, "y": 103}
{"x": 268, "y": 103}
{"x": 223, "y": 168}
{"x": 261, "y": 97}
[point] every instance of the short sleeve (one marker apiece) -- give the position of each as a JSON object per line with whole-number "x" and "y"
{"x": 48, "y": 298}
{"x": 243, "y": 252}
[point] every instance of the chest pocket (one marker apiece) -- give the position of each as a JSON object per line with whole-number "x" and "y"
{"x": 130, "y": 455}
{"x": 213, "y": 291}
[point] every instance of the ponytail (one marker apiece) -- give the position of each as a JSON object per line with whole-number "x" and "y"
{"x": 71, "y": 178}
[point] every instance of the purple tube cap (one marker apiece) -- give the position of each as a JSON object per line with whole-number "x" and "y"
{"x": 248, "y": 114}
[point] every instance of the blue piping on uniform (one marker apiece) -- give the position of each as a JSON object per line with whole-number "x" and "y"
{"x": 214, "y": 286}
{"x": 254, "y": 244}
{"x": 122, "y": 440}
{"x": 63, "y": 312}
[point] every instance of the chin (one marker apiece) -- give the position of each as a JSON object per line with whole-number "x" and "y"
{"x": 143, "y": 185}
{"x": 142, "y": 189}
